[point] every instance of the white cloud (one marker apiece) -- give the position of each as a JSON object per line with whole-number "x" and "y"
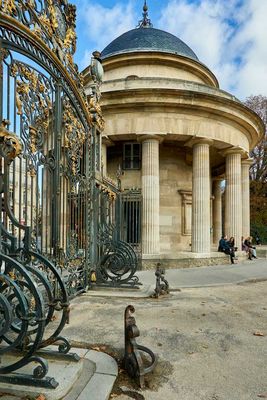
{"x": 199, "y": 25}
{"x": 228, "y": 36}
{"x": 103, "y": 24}
{"x": 252, "y": 35}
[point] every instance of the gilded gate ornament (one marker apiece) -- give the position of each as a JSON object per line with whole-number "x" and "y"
{"x": 53, "y": 21}
{"x": 10, "y": 144}
{"x": 46, "y": 193}
{"x": 96, "y": 112}
{"x": 74, "y": 136}
{"x": 33, "y": 102}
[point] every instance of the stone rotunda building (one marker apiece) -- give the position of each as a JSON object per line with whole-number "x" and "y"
{"x": 176, "y": 136}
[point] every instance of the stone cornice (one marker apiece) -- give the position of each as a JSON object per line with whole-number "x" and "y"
{"x": 192, "y": 101}
{"x": 177, "y": 61}
{"x": 142, "y": 83}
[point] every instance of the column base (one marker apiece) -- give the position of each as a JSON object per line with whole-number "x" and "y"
{"x": 184, "y": 260}
{"x": 150, "y": 256}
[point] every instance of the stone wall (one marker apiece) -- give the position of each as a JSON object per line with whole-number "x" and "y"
{"x": 175, "y": 175}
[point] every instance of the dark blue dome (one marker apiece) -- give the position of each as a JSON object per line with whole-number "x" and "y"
{"x": 147, "y": 39}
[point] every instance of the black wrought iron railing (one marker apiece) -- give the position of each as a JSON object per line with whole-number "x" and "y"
{"x": 45, "y": 184}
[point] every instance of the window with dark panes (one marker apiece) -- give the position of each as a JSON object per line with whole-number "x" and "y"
{"x": 131, "y": 156}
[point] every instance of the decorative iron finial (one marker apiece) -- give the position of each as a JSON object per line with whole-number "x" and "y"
{"x": 145, "y": 22}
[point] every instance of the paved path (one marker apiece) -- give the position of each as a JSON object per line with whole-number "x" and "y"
{"x": 210, "y": 276}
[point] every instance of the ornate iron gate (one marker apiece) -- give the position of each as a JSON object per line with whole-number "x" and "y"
{"x": 60, "y": 219}
{"x": 45, "y": 180}
{"x": 47, "y": 187}
{"x": 116, "y": 261}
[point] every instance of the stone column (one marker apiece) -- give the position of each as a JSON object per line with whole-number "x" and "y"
{"x": 201, "y": 197}
{"x": 150, "y": 191}
{"x": 217, "y": 210}
{"x": 245, "y": 164}
{"x": 233, "y": 195}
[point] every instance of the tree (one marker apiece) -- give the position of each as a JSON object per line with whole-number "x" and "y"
{"x": 258, "y": 172}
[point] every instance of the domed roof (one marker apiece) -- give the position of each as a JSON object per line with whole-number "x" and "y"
{"x": 147, "y": 39}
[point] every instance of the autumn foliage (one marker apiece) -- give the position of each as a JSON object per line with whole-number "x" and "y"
{"x": 258, "y": 173}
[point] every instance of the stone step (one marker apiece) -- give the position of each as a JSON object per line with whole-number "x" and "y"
{"x": 92, "y": 377}
{"x": 261, "y": 253}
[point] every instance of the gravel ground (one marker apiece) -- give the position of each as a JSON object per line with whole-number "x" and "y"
{"x": 211, "y": 342}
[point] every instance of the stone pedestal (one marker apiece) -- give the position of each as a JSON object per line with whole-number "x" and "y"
{"x": 217, "y": 210}
{"x": 150, "y": 191}
{"x": 233, "y": 197}
{"x": 201, "y": 197}
{"x": 245, "y": 164}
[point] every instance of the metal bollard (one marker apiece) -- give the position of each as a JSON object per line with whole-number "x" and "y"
{"x": 132, "y": 361}
{"x": 162, "y": 285}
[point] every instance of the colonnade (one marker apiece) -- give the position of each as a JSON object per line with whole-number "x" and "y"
{"x": 237, "y": 201}
{"x": 237, "y": 198}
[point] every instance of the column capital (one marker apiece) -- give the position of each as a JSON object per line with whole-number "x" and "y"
{"x": 234, "y": 150}
{"x": 198, "y": 140}
{"x": 247, "y": 161}
{"x": 142, "y": 137}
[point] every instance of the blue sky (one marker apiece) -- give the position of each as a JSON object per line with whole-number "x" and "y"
{"x": 229, "y": 36}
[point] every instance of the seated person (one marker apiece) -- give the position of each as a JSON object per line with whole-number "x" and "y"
{"x": 221, "y": 244}
{"x": 232, "y": 243}
{"x": 227, "y": 247}
{"x": 251, "y": 250}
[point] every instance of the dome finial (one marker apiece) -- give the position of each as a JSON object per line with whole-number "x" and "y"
{"x": 145, "y": 22}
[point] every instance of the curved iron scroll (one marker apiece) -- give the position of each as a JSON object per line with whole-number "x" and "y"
{"x": 23, "y": 319}
{"x": 119, "y": 262}
{"x": 31, "y": 292}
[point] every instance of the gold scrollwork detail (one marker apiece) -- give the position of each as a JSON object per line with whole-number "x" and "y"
{"x": 95, "y": 110}
{"x": 10, "y": 145}
{"x": 33, "y": 100}
{"x": 54, "y": 22}
{"x": 33, "y": 138}
{"x": 8, "y": 6}
{"x": 111, "y": 195}
{"x": 74, "y": 137}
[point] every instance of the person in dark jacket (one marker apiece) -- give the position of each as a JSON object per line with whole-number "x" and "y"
{"x": 227, "y": 247}
{"x": 221, "y": 244}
